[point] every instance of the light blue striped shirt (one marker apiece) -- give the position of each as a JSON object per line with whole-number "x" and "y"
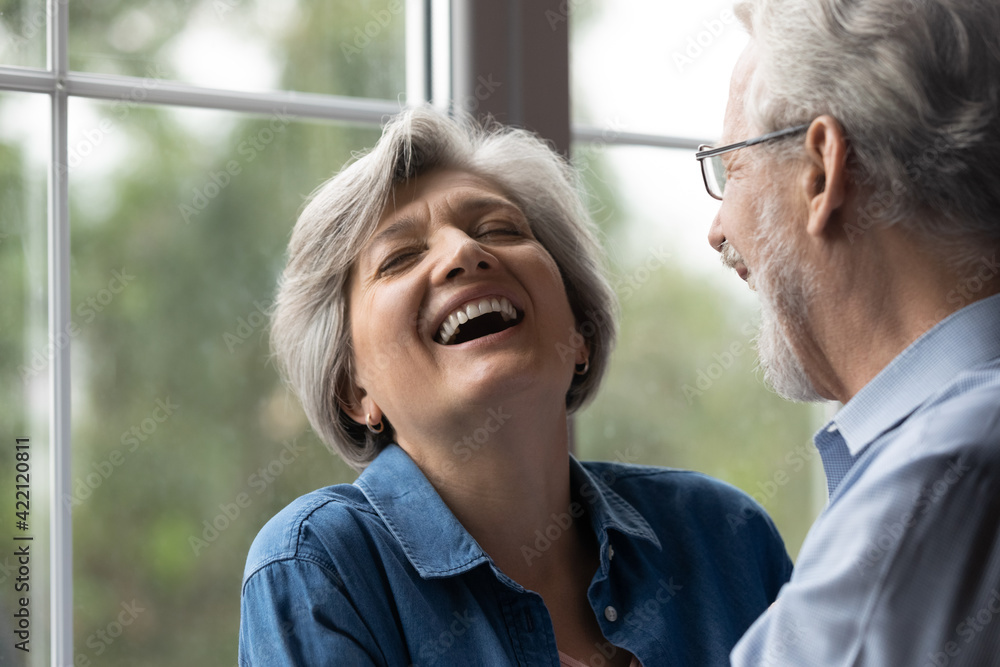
{"x": 903, "y": 565}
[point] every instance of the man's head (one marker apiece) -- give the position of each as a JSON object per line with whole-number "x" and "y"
{"x": 915, "y": 84}
{"x": 902, "y": 100}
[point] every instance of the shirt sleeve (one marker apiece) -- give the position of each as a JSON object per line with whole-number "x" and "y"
{"x": 903, "y": 570}
{"x": 296, "y": 612}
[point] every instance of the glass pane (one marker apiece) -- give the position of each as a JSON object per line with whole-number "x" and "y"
{"x": 23, "y": 32}
{"x": 186, "y": 440}
{"x": 25, "y": 353}
{"x": 344, "y": 47}
{"x": 654, "y": 67}
{"x": 682, "y": 389}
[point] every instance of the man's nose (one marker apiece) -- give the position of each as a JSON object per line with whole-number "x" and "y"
{"x": 715, "y": 235}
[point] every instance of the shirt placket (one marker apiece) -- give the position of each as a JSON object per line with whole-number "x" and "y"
{"x": 528, "y": 625}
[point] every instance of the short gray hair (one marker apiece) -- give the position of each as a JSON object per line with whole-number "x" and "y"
{"x": 310, "y": 326}
{"x": 915, "y": 85}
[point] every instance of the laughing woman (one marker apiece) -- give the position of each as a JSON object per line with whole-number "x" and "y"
{"x": 442, "y": 312}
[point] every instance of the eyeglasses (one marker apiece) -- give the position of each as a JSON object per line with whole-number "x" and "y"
{"x": 712, "y": 169}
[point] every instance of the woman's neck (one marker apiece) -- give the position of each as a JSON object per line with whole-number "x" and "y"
{"x": 508, "y": 483}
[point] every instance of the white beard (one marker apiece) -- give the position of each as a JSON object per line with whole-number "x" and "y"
{"x": 784, "y": 289}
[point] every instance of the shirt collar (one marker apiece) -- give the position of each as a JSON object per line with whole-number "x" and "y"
{"x": 432, "y": 538}
{"x": 606, "y": 508}
{"x": 434, "y": 541}
{"x": 962, "y": 340}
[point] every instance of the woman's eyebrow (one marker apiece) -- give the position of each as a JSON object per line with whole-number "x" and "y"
{"x": 405, "y": 224}
{"x": 474, "y": 204}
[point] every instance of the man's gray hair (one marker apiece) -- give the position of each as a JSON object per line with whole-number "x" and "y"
{"x": 915, "y": 85}
{"x": 310, "y": 326}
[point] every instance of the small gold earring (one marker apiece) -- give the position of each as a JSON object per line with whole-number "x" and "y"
{"x": 368, "y": 423}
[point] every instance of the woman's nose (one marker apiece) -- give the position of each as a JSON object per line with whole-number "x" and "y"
{"x": 460, "y": 254}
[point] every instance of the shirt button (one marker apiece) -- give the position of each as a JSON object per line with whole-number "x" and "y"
{"x": 610, "y": 613}
{"x": 611, "y": 552}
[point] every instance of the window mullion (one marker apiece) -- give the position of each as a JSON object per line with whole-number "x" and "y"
{"x": 26, "y": 80}
{"x": 440, "y": 58}
{"x": 587, "y": 133}
{"x": 152, "y": 90}
{"x": 418, "y": 54}
{"x": 61, "y": 528}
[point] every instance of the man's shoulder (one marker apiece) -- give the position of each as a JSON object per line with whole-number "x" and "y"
{"x": 962, "y": 418}
{"x": 954, "y": 436}
{"x": 315, "y": 526}
{"x": 972, "y": 398}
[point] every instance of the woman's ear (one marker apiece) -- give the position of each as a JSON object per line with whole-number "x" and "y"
{"x": 363, "y": 411}
{"x": 351, "y": 399}
{"x": 824, "y": 182}
{"x": 353, "y": 410}
{"x": 581, "y": 359}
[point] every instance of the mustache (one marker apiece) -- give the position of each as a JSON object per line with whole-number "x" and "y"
{"x": 730, "y": 258}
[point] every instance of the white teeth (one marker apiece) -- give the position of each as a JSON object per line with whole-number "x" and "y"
{"x": 473, "y": 310}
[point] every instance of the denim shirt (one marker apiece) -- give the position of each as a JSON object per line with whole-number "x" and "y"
{"x": 380, "y": 572}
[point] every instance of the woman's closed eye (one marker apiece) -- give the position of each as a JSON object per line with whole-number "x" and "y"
{"x": 500, "y": 230}
{"x": 491, "y": 232}
{"x": 398, "y": 259}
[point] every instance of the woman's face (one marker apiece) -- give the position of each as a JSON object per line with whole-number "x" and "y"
{"x": 455, "y": 307}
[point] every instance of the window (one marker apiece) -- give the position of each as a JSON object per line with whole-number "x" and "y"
{"x": 154, "y": 156}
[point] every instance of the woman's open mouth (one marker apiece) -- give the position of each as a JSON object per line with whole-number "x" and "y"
{"x": 478, "y": 318}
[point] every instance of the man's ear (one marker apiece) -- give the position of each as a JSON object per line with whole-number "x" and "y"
{"x": 824, "y": 182}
